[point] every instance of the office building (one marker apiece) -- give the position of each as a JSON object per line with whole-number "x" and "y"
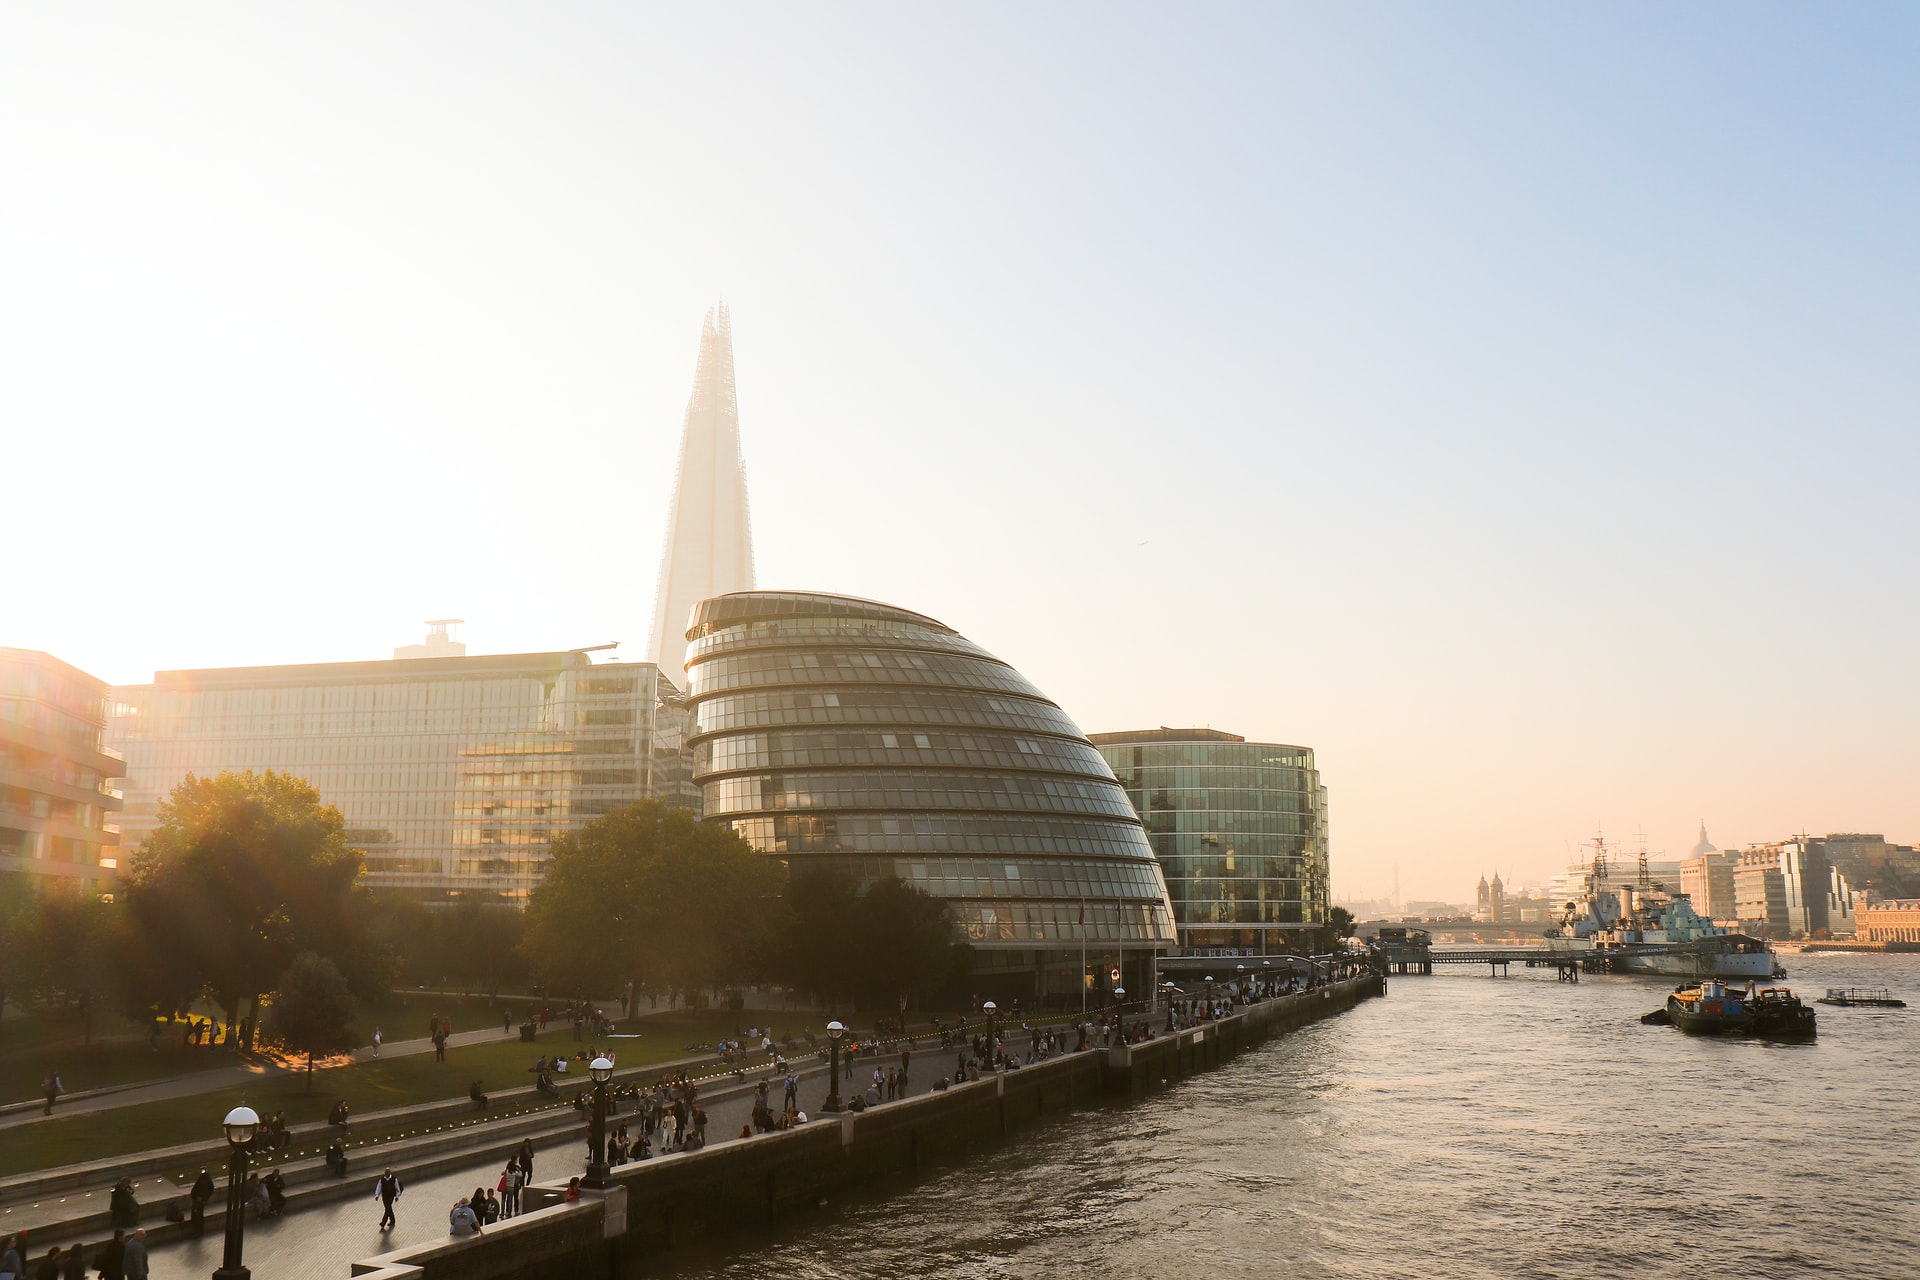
{"x": 56, "y": 776}
{"x": 1240, "y": 829}
{"x": 1707, "y": 880}
{"x": 453, "y": 773}
{"x": 1760, "y": 894}
{"x": 709, "y": 544}
{"x": 840, "y": 733}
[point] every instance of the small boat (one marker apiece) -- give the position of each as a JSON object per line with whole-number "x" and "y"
{"x": 1778, "y": 1012}
{"x": 1708, "y": 1009}
{"x": 1862, "y": 997}
{"x": 1658, "y": 1018}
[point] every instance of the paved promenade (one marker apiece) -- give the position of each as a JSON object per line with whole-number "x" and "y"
{"x": 324, "y": 1242}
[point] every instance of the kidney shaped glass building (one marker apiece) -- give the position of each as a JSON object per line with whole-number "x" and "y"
{"x": 840, "y": 733}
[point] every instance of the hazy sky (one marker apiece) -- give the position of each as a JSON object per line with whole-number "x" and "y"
{"x": 1516, "y": 403}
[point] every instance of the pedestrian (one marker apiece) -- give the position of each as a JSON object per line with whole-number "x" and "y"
{"x": 440, "y": 1046}
{"x": 276, "y": 1192}
{"x": 387, "y": 1189}
{"x": 492, "y": 1215}
{"x": 506, "y": 1022}
{"x": 49, "y": 1268}
{"x": 376, "y": 1042}
{"x": 111, "y": 1261}
{"x": 463, "y": 1221}
{"x": 197, "y": 1198}
{"x": 526, "y": 1162}
{"x": 337, "y": 1159}
{"x": 134, "y": 1261}
{"x": 52, "y": 1087}
{"x": 122, "y": 1208}
{"x": 12, "y": 1265}
{"x": 74, "y": 1265}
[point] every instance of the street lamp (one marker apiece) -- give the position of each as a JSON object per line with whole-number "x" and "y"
{"x": 1171, "y": 991}
{"x": 241, "y": 1122}
{"x": 1209, "y": 997}
{"x": 601, "y": 1069}
{"x": 991, "y": 1009}
{"x": 1242, "y": 971}
{"x": 834, "y": 1032}
{"x": 1119, "y": 1022}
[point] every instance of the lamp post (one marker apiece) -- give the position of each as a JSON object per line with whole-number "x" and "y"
{"x": 1209, "y": 997}
{"x": 992, "y": 1030}
{"x": 1241, "y": 982}
{"x": 241, "y": 1122}
{"x": 1119, "y": 1022}
{"x": 834, "y": 1032}
{"x": 601, "y": 1069}
{"x": 1171, "y": 991}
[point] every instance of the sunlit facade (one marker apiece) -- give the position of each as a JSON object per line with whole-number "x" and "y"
{"x": 453, "y": 773}
{"x": 1240, "y": 829}
{"x": 843, "y": 733}
{"x": 57, "y": 798}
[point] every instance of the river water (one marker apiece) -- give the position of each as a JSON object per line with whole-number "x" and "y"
{"x": 1464, "y": 1126}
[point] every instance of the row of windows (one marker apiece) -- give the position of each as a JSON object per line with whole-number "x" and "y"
{"x": 939, "y": 747}
{"x": 941, "y": 833}
{"x": 1131, "y": 756}
{"x": 989, "y": 922}
{"x": 1187, "y": 777}
{"x": 1224, "y": 825}
{"x": 878, "y": 706}
{"x": 373, "y": 749}
{"x": 1170, "y": 847}
{"x": 1240, "y": 911}
{"x": 1231, "y": 867}
{"x": 814, "y": 632}
{"x": 1207, "y": 801}
{"x": 908, "y": 792}
{"x": 1064, "y": 878}
{"x": 760, "y": 670}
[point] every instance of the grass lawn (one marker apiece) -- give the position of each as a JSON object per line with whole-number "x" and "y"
{"x": 367, "y": 1087}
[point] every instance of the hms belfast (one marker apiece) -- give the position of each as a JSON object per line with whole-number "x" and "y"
{"x": 1646, "y": 928}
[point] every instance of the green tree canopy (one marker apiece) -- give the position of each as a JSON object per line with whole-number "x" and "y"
{"x": 886, "y": 945}
{"x": 244, "y": 872}
{"x": 311, "y": 1010}
{"x": 653, "y": 895}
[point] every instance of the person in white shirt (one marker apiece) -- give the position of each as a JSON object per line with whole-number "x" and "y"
{"x": 463, "y": 1221}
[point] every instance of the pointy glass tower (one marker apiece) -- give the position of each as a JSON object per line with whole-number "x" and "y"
{"x": 709, "y": 547}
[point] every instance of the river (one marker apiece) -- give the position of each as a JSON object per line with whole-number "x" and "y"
{"x": 1465, "y": 1126}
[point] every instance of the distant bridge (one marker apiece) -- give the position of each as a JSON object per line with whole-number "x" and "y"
{"x": 1418, "y": 957}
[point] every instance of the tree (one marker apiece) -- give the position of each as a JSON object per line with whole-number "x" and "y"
{"x": 244, "y": 872}
{"x": 1338, "y": 928}
{"x": 906, "y": 943}
{"x": 311, "y": 1010}
{"x": 652, "y": 894}
{"x": 887, "y": 944}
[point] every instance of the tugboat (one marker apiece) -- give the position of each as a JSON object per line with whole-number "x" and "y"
{"x": 1869, "y": 997}
{"x": 1709, "y": 1009}
{"x": 1779, "y": 1013}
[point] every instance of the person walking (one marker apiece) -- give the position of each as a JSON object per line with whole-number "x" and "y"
{"x": 440, "y": 1045}
{"x": 52, "y": 1087}
{"x": 111, "y": 1264}
{"x": 49, "y": 1268}
{"x": 197, "y": 1199}
{"x": 13, "y": 1265}
{"x": 376, "y": 1042}
{"x": 134, "y": 1261}
{"x": 387, "y": 1189}
{"x": 73, "y": 1265}
{"x": 526, "y": 1162}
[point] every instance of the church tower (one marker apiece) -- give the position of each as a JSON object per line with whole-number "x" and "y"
{"x": 1482, "y": 901}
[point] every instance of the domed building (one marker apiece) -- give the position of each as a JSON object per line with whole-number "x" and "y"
{"x": 834, "y": 732}
{"x": 1703, "y": 846}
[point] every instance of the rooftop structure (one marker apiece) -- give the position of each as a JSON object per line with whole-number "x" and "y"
{"x": 709, "y": 544}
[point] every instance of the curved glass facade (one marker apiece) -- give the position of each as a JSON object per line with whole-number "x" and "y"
{"x": 1241, "y": 832}
{"x": 843, "y": 733}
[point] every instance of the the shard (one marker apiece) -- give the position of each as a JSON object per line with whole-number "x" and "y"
{"x": 709, "y": 547}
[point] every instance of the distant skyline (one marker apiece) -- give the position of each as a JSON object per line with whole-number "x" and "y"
{"x": 1511, "y": 403}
